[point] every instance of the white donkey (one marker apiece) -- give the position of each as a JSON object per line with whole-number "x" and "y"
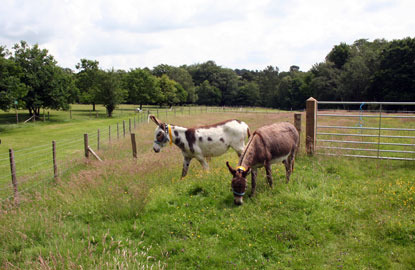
{"x": 201, "y": 142}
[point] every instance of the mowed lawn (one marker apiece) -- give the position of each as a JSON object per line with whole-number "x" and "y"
{"x": 336, "y": 212}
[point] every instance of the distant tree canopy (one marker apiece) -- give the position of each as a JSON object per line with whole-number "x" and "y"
{"x": 47, "y": 85}
{"x": 363, "y": 71}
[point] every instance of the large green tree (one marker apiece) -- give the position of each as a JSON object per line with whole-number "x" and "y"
{"x": 268, "y": 81}
{"x": 87, "y": 81}
{"x": 339, "y": 55}
{"x": 208, "y": 94}
{"x": 169, "y": 91}
{"x": 47, "y": 85}
{"x": 247, "y": 94}
{"x": 395, "y": 79}
{"x": 142, "y": 86}
{"x": 180, "y": 75}
{"x": 110, "y": 92}
{"x": 11, "y": 87}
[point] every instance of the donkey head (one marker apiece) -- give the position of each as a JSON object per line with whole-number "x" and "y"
{"x": 161, "y": 134}
{"x": 239, "y": 182}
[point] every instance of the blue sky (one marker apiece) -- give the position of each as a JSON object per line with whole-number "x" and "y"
{"x": 126, "y": 34}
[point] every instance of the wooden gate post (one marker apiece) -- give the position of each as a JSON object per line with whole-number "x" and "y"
{"x": 14, "y": 178}
{"x": 55, "y": 165}
{"x": 134, "y": 145}
{"x": 311, "y": 125}
{"x": 297, "y": 124}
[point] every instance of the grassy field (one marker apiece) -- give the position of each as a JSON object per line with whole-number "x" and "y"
{"x": 336, "y": 213}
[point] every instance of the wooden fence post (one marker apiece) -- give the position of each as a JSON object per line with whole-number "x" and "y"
{"x": 86, "y": 145}
{"x": 311, "y": 125}
{"x": 123, "y": 128}
{"x": 134, "y": 145}
{"x": 98, "y": 139}
{"x": 118, "y": 132}
{"x": 14, "y": 178}
{"x": 55, "y": 165}
{"x": 129, "y": 125}
{"x": 134, "y": 122}
{"x": 109, "y": 133}
{"x": 297, "y": 124}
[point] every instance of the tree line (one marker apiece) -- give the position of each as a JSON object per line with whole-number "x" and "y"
{"x": 380, "y": 70}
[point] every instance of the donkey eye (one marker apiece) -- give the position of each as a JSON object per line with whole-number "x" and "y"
{"x": 160, "y": 136}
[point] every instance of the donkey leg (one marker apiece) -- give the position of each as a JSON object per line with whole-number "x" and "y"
{"x": 253, "y": 182}
{"x": 269, "y": 173}
{"x": 186, "y": 163}
{"x": 203, "y": 162}
{"x": 288, "y": 167}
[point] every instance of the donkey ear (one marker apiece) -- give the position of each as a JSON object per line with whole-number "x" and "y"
{"x": 231, "y": 170}
{"x": 245, "y": 173}
{"x": 155, "y": 120}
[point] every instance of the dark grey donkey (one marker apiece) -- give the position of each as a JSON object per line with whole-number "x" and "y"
{"x": 268, "y": 145}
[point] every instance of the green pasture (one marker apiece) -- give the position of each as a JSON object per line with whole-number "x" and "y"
{"x": 125, "y": 213}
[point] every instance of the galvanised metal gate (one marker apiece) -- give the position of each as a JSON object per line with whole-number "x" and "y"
{"x": 369, "y": 132}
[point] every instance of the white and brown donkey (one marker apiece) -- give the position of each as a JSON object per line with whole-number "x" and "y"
{"x": 268, "y": 145}
{"x": 201, "y": 142}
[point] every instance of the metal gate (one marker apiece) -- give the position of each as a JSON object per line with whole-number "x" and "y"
{"x": 368, "y": 132}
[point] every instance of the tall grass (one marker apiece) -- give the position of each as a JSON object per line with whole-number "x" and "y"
{"x": 336, "y": 213}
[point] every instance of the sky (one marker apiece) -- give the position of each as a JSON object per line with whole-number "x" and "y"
{"x": 250, "y": 34}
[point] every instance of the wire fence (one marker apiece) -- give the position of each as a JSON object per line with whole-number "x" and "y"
{"x": 36, "y": 165}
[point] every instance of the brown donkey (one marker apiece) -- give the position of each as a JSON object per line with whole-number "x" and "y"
{"x": 268, "y": 145}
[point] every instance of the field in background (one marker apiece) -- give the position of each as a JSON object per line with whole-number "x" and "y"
{"x": 127, "y": 213}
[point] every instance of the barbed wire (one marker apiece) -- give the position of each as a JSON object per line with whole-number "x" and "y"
{"x": 35, "y": 185}
{"x": 22, "y": 173}
{"x": 27, "y": 160}
{"x": 7, "y": 158}
{"x": 5, "y": 165}
{"x": 60, "y": 144}
{"x": 6, "y": 186}
{"x": 28, "y": 179}
{"x": 30, "y": 148}
{"x": 4, "y": 176}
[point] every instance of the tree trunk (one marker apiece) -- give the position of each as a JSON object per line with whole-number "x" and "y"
{"x": 93, "y": 106}
{"x": 141, "y": 106}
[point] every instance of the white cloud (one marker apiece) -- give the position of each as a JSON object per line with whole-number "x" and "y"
{"x": 238, "y": 34}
